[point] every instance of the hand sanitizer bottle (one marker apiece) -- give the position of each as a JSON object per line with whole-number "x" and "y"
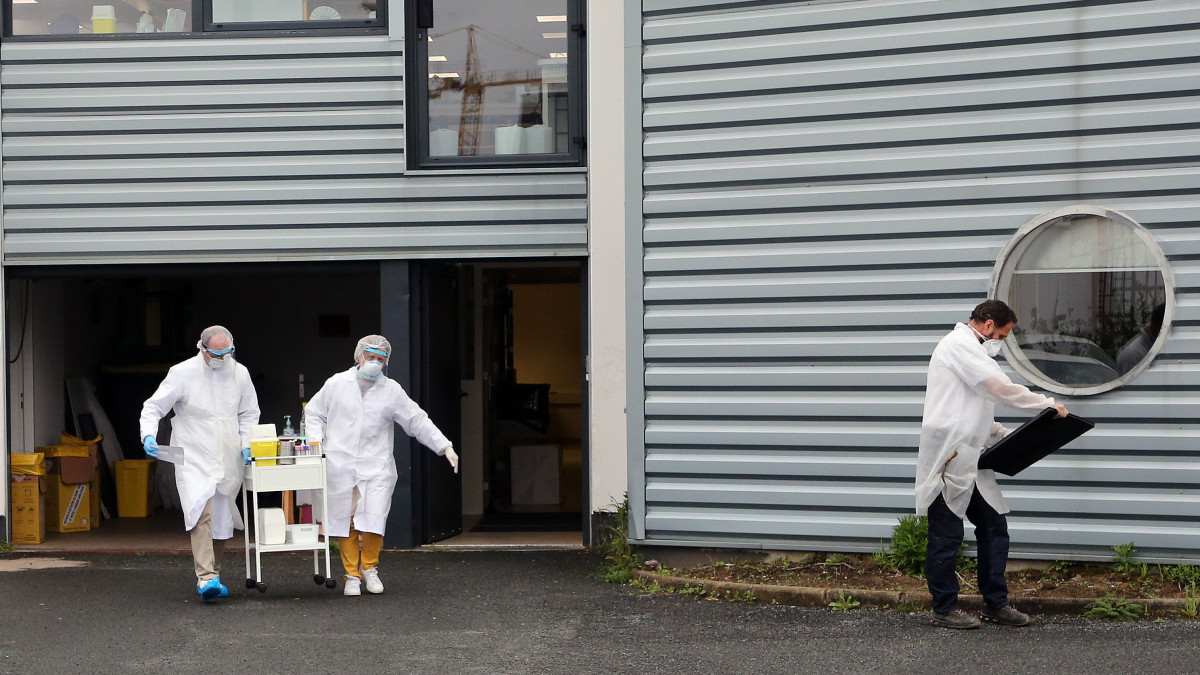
{"x": 287, "y": 426}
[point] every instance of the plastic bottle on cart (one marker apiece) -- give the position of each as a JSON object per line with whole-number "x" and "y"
{"x": 287, "y": 426}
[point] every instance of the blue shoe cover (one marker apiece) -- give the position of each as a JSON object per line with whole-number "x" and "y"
{"x": 224, "y": 590}
{"x": 212, "y": 589}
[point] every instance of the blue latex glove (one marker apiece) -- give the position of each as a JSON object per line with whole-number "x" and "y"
{"x": 150, "y": 446}
{"x": 246, "y": 455}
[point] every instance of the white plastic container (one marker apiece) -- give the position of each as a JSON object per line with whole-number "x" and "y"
{"x": 272, "y": 527}
{"x": 302, "y": 533}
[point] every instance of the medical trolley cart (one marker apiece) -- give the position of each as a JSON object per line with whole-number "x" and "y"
{"x": 305, "y": 473}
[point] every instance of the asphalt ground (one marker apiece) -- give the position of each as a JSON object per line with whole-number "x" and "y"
{"x": 505, "y": 612}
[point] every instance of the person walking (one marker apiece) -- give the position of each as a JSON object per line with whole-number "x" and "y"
{"x": 352, "y": 419}
{"x": 215, "y": 405}
{"x": 964, "y": 384}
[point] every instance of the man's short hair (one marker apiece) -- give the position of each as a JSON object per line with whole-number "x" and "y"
{"x": 996, "y": 311}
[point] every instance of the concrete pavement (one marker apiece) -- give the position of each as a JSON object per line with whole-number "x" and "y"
{"x": 510, "y": 612}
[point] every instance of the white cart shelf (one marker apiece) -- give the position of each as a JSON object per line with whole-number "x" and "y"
{"x": 305, "y": 473}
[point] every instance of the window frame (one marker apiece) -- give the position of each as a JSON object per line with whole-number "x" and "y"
{"x": 417, "y": 94}
{"x": 1000, "y": 284}
{"x": 203, "y": 27}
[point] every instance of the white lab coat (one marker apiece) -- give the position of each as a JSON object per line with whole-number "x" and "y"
{"x": 963, "y": 386}
{"x": 214, "y": 410}
{"x": 356, "y": 431}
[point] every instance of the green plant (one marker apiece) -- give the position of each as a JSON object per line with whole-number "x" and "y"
{"x": 1112, "y": 608}
{"x": 836, "y": 559}
{"x": 910, "y": 539}
{"x": 619, "y": 557}
{"x": 1183, "y": 575}
{"x": 1191, "y": 602}
{"x": 745, "y": 596}
{"x": 844, "y": 602}
{"x": 1059, "y": 569}
{"x": 6, "y": 547}
{"x": 1123, "y": 562}
{"x": 909, "y": 608}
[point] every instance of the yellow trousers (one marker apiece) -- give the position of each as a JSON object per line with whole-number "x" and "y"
{"x": 353, "y": 558}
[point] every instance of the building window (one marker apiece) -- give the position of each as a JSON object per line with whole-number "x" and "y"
{"x": 1094, "y": 297}
{"x": 132, "y": 20}
{"x": 495, "y": 83}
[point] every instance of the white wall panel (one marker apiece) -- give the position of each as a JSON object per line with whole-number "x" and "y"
{"x": 245, "y": 149}
{"x": 826, "y": 188}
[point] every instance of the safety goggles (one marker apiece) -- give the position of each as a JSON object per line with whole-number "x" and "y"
{"x": 218, "y": 353}
{"x": 376, "y": 351}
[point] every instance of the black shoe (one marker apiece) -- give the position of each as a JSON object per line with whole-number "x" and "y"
{"x": 1006, "y": 616}
{"x": 956, "y": 619}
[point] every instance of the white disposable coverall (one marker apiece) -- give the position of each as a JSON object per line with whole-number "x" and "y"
{"x": 963, "y": 386}
{"x": 356, "y": 431}
{"x": 214, "y": 410}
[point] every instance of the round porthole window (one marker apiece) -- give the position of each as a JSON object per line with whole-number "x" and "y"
{"x": 1094, "y": 298}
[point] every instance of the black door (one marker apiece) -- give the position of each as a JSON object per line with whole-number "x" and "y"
{"x": 441, "y": 489}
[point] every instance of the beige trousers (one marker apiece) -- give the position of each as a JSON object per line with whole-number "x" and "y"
{"x": 206, "y": 552}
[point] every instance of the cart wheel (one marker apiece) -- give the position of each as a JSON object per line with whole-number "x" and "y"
{"x": 318, "y": 579}
{"x": 249, "y": 582}
{"x": 331, "y": 583}
{"x": 261, "y": 586}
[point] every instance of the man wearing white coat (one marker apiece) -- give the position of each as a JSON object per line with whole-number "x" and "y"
{"x": 215, "y": 405}
{"x": 964, "y": 384}
{"x": 352, "y": 419}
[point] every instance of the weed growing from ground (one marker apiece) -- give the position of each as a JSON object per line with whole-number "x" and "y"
{"x": 1191, "y": 602}
{"x": 619, "y": 557}
{"x": 844, "y": 602}
{"x": 1112, "y": 608}
{"x": 1123, "y": 562}
{"x": 6, "y": 547}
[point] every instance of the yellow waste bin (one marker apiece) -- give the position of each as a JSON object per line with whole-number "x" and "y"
{"x": 135, "y": 487}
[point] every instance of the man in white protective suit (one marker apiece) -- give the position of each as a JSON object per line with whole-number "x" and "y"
{"x": 964, "y": 384}
{"x": 215, "y": 405}
{"x": 352, "y": 420}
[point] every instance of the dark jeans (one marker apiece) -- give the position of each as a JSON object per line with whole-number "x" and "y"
{"x": 945, "y": 538}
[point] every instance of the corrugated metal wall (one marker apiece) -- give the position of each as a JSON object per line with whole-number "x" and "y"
{"x": 827, "y": 187}
{"x": 232, "y": 149}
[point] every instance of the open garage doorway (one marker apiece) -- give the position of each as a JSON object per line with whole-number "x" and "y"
{"x": 110, "y": 333}
{"x": 522, "y": 370}
{"x": 507, "y": 339}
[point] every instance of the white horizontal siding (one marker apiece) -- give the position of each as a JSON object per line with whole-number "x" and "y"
{"x": 245, "y": 149}
{"x": 827, "y": 187}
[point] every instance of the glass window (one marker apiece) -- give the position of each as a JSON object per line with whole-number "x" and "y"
{"x": 85, "y": 17}
{"x": 142, "y": 17}
{"x": 497, "y": 82}
{"x": 1093, "y": 295}
{"x": 227, "y": 14}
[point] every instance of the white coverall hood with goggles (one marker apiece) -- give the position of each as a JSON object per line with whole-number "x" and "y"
{"x": 964, "y": 385}
{"x": 353, "y": 418}
{"x": 214, "y": 411}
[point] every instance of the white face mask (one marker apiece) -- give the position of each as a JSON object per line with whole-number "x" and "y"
{"x": 991, "y": 346}
{"x": 370, "y": 370}
{"x": 217, "y": 364}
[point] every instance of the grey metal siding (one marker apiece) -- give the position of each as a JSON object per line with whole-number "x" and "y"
{"x": 245, "y": 149}
{"x": 826, "y": 189}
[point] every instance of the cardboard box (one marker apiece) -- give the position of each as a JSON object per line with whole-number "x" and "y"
{"x": 28, "y": 509}
{"x": 93, "y": 447}
{"x": 68, "y": 505}
{"x": 74, "y": 463}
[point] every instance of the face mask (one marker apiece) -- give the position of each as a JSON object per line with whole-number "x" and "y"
{"x": 217, "y": 364}
{"x": 992, "y": 347}
{"x": 370, "y": 370}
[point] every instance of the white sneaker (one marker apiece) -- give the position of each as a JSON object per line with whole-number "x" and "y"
{"x": 371, "y": 577}
{"x": 353, "y": 586}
